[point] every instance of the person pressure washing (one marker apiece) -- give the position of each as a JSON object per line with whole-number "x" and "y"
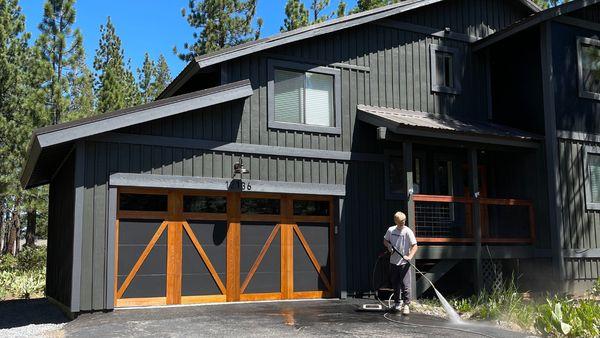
{"x": 400, "y": 239}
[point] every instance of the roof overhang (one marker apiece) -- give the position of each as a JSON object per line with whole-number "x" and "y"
{"x": 421, "y": 124}
{"x": 533, "y": 20}
{"x": 62, "y": 136}
{"x": 329, "y": 26}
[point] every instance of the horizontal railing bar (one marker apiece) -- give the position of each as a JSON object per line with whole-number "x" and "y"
{"x": 462, "y": 199}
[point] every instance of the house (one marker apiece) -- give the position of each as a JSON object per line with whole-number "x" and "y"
{"x": 272, "y": 169}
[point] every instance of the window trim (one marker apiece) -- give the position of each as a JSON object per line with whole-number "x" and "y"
{"x": 456, "y": 57}
{"x": 302, "y": 67}
{"x": 582, "y": 92}
{"x": 389, "y": 195}
{"x": 589, "y": 204}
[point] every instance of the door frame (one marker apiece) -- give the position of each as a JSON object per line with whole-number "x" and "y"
{"x": 175, "y": 217}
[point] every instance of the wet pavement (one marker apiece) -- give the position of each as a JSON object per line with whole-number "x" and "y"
{"x": 292, "y": 318}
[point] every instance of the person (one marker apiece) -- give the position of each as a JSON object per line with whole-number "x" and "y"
{"x": 403, "y": 239}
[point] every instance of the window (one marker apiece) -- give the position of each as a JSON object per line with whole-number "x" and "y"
{"x": 588, "y": 62}
{"x": 303, "y": 97}
{"x": 591, "y": 161}
{"x": 205, "y": 204}
{"x": 260, "y": 206}
{"x": 395, "y": 181}
{"x": 444, "y": 69}
{"x": 143, "y": 202}
{"x": 311, "y": 208}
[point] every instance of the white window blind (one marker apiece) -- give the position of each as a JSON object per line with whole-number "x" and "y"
{"x": 319, "y": 99}
{"x": 594, "y": 182}
{"x": 289, "y": 96}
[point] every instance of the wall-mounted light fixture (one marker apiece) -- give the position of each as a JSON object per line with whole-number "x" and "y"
{"x": 238, "y": 168}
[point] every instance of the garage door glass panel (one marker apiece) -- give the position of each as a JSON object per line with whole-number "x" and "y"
{"x": 143, "y": 202}
{"x": 261, "y": 206}
{"x": 306, "y": 275}
{"x": 267, "y": 277}
{"x": 196, "y": 278}
{"x": 205, "y": 204}
{"x": 311, "y": 208}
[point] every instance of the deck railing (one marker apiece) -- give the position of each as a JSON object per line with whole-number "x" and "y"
{"x": 448, "y": 219}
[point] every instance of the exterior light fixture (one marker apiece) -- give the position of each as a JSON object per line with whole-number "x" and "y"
{"x": 238, "y": 168}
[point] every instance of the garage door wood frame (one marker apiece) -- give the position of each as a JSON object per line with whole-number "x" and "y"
{"x": 176, "y": 224}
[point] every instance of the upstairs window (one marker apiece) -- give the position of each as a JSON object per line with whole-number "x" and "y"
{"x": 588, "y": 51}
{"x": 303, "y": 97}
{"x": 592, "y": 177}
{"x": 444, "y": 69}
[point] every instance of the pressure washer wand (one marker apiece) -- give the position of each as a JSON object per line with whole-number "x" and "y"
{"x": 412, "y": 265}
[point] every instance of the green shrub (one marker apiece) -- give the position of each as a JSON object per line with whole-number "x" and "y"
{"x": 565, "y": 317}
{"x": 23, "y": 276}
{"x": 595, "y": 290}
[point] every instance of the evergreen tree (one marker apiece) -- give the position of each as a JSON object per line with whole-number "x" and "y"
{"x": 317, "y": 6}
{"x": 62, "y": 46}
{"x": 115, "y": 86}
{"x": 341, "y": 10}
{"x": 82, "y": 94}
{"x": 23, "y": 74}
{"x": 549, "y": 3}
{"x": 220, "y": 23}
{"x": 365, "y": 5}
{"x": 162, "y": 75}
{"x": 153, "y": 78}
{"x": 296, "y": 15}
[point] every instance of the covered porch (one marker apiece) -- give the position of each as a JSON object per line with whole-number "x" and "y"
{"x": 465, "y": 185}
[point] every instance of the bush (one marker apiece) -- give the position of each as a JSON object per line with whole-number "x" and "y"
{"x": 595, "y": 290}
{"x": 23, "y": 276}
{"x": 564, "y": 317}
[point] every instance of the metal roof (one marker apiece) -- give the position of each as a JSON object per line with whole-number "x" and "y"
{"x": 302, "y": 33}
{"x": 416, "y": 123}
{"x": 533, "y": 20}
{"x": 60, "y": 137}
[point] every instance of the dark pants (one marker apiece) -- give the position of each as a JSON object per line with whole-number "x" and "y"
{"x": 400, "y": 282}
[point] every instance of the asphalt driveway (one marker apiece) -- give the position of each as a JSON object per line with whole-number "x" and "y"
{"x": 293, "y": 318}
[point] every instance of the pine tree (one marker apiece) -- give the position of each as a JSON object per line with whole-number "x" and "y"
{"x": 341, "y": 9}
{"x": 23, "y": 75}
{"x": 162, "y": 75}
{"x": 549, "y": 3}
{"x": 115, "y": 86}
{"x": 296, "y": 15}
{"x": 317, "y": 6}
{"x": 153, "y": 77}
{"x": 220, "y": 23}
{"x": 62, "y": 46}
{"x": 365, "y": 5}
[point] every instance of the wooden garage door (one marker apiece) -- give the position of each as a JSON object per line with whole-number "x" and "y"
{"x": 176, "y": 247}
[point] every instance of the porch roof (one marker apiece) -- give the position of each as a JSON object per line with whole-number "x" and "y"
{"x": 416, "y": 123}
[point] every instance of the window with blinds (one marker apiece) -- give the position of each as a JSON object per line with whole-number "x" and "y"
{"x": 303, "y": 97}
{"x": 594, "y": 177}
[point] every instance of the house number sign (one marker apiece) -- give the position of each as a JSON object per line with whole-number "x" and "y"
{"x": 238, "y": 185}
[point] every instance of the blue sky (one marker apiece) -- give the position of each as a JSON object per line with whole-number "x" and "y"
{"x": 153, "y": 26}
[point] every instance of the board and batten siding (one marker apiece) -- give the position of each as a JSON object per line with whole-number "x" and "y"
{"x": 60, "y": 233}
{"x": 366, "y": 213}
{"x": 381, "y": 65}
{"x": 581, "y": 227}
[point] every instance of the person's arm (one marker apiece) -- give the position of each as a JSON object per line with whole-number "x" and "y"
{"x": 412, "y": 252}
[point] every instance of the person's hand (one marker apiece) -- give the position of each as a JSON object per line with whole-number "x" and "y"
{"x": 406, "y": 258}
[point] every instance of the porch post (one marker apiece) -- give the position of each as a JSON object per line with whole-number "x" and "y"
{"x": 474, "y": 183}
{"x": 410, "y": 205}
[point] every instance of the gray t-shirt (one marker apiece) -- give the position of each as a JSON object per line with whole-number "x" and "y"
{"x": 402, "y": 238}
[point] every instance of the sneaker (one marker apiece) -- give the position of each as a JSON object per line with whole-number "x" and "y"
{"x": 405, "y": 310}
{"x": 397, "y": 307}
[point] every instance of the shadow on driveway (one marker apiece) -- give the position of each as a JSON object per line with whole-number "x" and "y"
{"x": 23, "y": 312}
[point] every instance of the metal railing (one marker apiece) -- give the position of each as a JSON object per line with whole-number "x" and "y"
{"x": 449, "y": 219}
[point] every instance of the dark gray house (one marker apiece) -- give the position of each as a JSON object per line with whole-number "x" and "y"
{"x": 271, "y": 170}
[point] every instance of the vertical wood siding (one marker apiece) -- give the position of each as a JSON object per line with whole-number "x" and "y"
{"x": 60, "y": 234}
{"x": 396, "y": 73}
{"x": 581, "y": 227}
{"x": 591, "y": 13}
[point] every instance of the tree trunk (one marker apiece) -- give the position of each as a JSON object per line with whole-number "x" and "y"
{"x": 12, "y": 239}
{"x": 31, "y": 227}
